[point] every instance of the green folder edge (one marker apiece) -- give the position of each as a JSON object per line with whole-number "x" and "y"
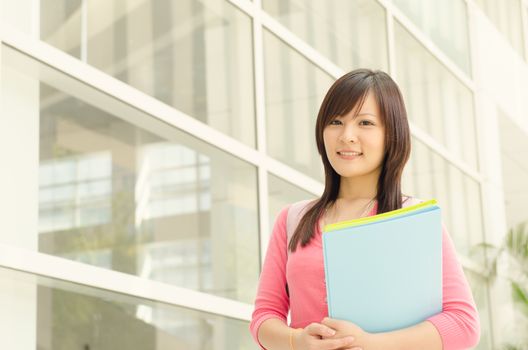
{"x": 378, "y": 217}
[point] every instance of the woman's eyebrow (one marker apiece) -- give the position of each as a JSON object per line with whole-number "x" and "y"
{"x": 367, "y": 113}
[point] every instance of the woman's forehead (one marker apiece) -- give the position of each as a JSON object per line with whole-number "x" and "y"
{"x": 369, "y": 107}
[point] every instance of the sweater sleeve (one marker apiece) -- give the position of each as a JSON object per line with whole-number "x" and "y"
{"x": 271, "y": 300}
{"x": 458, "y": 323}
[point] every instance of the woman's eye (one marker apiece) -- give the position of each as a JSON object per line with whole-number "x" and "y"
{"x": 368, "y": 122}
{"x": 335, "y": 120}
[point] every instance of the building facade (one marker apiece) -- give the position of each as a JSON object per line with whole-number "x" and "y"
{"x": 148, "y": 146}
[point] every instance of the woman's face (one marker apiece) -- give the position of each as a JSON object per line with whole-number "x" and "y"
{"x": 364, "y": 134}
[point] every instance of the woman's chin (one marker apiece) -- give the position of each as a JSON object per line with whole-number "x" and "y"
{"x": 350, "y": 174}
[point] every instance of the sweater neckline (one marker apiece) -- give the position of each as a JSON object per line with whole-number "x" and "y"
{"x": 372, "y": 211}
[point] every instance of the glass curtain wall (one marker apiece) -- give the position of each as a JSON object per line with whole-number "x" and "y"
{"x": 116, "y": 195}
{"x": 192, "y": 55}
{"x": 70, "y": 316}
{"x": 122, "y": 190}
{"x": 445, "y": 23}
{"x": 507, "y": 18}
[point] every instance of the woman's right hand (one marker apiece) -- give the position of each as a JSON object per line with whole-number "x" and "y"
{"x": 310, "y": 338}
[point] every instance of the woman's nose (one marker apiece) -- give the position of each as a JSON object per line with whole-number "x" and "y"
{"x": 348, "y": 135}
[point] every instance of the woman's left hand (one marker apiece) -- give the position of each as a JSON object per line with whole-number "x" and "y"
{"x": 363, "y": 339}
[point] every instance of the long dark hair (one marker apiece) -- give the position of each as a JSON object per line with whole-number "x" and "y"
{"x": 342, "y": 96}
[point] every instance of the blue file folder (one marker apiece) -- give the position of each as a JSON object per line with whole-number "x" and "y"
{"x": 385, "y": 273}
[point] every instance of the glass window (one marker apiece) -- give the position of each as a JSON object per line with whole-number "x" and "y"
{"x": 436, "y": 101}
{"x": 445, "y": 22}
{"x": 282, "y": 193}
{"x": 514, "y": 148}
{"x": 506, "y": 15}
{"x": 294, "y": 89}
{"x": 75, "y": 191}
{"x": 121, "y": 190}
{"x": 195, "y": 56}
{"x": 60, "y": 25}
{"x": 428, "y": 175}
{"x": 352, "y": 34}
{"x": 72, "y": 316}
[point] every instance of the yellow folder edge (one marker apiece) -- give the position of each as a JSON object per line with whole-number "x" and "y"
{"x": 361, "y": 221}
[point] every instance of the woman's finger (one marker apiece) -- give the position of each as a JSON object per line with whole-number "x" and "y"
{"x": 320, "y": 329}
{"x": 340, "y": 343}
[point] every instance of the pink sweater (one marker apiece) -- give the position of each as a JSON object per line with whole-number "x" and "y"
{"x": 458, "y": 323}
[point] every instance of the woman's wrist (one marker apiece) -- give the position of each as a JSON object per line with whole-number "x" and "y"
{"x": 294, "y": 338}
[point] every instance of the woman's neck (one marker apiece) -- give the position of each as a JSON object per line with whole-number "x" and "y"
{"x": 358, "y": 188}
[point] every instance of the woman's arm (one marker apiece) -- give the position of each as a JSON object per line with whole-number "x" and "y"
{"x": 421, "y": 336}
{"x": 272, "y": 302}
{"x": 458, "y": 324}
{"x": 274, "y": 334}
{"x": 268, "y": 323}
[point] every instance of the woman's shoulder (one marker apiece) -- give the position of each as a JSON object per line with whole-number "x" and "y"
{"x": 296, "y": 208}
{"x": 408, "y": 200}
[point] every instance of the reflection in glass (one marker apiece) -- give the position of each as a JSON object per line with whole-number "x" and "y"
{"x": 60, "y": 25}
{"x": 514, "y": 148}
{"x": 294, "y": 91}
{"x": 445, "y": 22}
{"x": 351, "y": 34}
{"x": 436, "y": 101}
{"x": 75, "y": 192}
{"x": 195, "y": 56}
{"x": 120, "y": 190}
{"x": 428, "y": 175}
{"x": 507, "y": 17}
{"x": 71, "y": 316}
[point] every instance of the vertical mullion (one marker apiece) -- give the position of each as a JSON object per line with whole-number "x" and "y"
{"x": 35, "y": 22}
{"x": 486, "y": 224}
{"x": 260, "y": 114}
{"x": 84, "y": 31}
{"x": 389, "y": 19}
{"x": 524, "y": 25}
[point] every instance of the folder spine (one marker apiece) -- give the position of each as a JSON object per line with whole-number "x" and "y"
{"x": 328, "y": 301}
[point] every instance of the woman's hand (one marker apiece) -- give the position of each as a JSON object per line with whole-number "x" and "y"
{"x": 320, "y": 337}
{"x": 362, "y": 340}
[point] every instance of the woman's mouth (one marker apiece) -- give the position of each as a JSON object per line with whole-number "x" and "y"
{"x": 349, "y": 155}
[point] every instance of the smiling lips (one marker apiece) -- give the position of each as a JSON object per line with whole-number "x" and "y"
{"x": 349, "y": 155}
{"x": 348, "y": 152}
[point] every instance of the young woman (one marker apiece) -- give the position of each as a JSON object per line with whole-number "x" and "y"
{"x": 363, "y": 137}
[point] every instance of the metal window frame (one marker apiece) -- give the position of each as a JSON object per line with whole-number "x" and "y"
{"x": 524, "y": 21}
{"x": 117, "y": 282}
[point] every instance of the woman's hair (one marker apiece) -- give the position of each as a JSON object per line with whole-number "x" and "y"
{"x": 343, "y": 95}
